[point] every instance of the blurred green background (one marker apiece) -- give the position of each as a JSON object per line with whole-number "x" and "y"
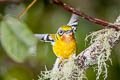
{"x": 45, "y": 17}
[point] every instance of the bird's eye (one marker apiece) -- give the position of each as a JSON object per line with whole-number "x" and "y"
{"x": 61, "y": 32}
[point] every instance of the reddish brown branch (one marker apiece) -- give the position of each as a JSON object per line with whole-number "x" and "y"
{"x": 84, "y": 16}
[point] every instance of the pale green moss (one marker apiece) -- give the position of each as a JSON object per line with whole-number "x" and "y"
{"x": 67, "y": 71}
{"x": 105, "y": 37}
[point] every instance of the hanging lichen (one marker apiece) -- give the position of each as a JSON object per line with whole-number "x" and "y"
{"x": 105, "y": 37}
{"x": 69, "y": 70}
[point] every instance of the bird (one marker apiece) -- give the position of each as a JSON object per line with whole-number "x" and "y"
{"x": 63, "y": 41}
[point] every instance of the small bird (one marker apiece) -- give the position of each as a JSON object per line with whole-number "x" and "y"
{"x": 64, "y": 43}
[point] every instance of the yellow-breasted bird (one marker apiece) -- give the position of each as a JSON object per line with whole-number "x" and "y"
{"x": 64, "y": 43}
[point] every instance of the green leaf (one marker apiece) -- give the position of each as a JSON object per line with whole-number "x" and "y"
{"x": 17, "y": 40}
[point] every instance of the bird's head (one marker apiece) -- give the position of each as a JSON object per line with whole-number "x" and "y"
{"x": 65, "y": 33}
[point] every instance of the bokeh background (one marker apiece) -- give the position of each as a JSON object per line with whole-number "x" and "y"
{"x": 45, "y": 17}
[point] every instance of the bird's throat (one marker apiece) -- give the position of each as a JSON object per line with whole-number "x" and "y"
{"x": 67, "y": 38}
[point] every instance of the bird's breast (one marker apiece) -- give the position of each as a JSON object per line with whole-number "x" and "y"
{"x": 64, "y": 48}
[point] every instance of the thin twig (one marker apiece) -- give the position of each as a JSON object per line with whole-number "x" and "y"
{"x": 84, "y": 16}
{"x": 26, "y": 9}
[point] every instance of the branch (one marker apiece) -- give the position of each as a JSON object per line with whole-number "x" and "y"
{"x": 99, "y": 51}
{"x": 84, "y": 16}
{"x": 26, "y": 9}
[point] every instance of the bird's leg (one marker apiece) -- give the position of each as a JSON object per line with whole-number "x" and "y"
{"x": 61, "y": 60}
{"x": 58, "y": 64}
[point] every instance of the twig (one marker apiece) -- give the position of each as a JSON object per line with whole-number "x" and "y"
{"x": 84, "y": 16}
{"x": 25, "y": 10}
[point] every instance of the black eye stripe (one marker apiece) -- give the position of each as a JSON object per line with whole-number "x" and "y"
{"x": 61, "y": 32}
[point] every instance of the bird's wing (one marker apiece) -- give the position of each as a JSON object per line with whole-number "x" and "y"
{"x": 73, "y": 22}
{"x": 46, "y": 37}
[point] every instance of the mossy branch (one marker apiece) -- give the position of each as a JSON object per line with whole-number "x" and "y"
{"x": 99, "y": 51}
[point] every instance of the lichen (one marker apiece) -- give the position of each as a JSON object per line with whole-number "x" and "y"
{"x": 107, "y": 38}
{"x": 69, "y": 70}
